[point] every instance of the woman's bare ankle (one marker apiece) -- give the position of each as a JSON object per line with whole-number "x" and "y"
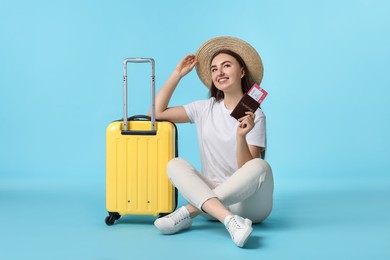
{"x": 194, "y": 212}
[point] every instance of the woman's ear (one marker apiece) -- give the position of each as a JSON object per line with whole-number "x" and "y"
{"x": 242, "y": 72}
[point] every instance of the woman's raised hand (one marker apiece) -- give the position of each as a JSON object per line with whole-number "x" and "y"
{"x": 186, "y": 65}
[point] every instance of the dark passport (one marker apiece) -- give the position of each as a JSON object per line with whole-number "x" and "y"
{"x": 247, "y": 103}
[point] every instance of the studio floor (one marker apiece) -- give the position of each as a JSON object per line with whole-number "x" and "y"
{"x": 59, "y": 220}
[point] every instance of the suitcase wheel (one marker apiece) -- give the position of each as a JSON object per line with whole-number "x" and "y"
{"x": 110, "y": 220}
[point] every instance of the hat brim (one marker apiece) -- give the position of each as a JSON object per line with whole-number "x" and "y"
{"x": 242, "y": 48}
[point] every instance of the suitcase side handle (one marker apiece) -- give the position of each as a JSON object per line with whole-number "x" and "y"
{"x": 152, "y": 90}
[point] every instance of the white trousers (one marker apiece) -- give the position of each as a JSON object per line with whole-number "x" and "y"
{"x": 247, "y": 193}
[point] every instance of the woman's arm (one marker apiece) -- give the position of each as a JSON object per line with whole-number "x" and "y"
{"x": 245, "y": 152}
{"x": 173, "y": 114}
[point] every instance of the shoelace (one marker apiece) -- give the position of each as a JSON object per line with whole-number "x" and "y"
{"x": 178, "y": 217}
{"x": 233, "y": 225}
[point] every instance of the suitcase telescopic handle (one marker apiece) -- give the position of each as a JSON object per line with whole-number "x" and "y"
{"x": 153, "y": 94}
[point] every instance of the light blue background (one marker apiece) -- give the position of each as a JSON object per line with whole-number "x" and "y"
{"x": 326, "y": 71}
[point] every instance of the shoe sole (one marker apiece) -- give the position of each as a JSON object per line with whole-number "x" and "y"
{"x": 245, "y": 237}
{"x": 170, "y": 232}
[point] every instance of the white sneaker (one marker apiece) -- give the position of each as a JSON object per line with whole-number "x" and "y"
{"x": 239, "y": 228}
{"x": 176, "y": 221}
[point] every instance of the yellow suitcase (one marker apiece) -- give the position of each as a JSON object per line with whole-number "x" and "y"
{"x": 137, "y": 152}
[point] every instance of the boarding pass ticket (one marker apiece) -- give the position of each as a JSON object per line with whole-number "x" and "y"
{"x": 257, "y": 93}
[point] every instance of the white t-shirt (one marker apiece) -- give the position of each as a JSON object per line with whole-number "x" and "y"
{"x": 217, "y": 137}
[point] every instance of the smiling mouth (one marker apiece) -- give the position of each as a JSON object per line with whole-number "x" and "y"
{"x": 222, "y": 80}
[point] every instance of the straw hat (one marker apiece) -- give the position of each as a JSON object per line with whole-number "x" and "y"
{"x": 242, "y": 48}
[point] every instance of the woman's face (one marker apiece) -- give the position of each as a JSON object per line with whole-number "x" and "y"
{"x": 226, "y": 73}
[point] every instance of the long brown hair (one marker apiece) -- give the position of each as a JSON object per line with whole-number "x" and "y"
{"x": 245, "y": 85}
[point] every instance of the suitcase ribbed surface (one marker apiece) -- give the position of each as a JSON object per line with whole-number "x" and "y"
{"x": 137, "y": 182}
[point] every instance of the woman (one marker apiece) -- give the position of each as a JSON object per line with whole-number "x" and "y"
{"x": 236, "y": 186}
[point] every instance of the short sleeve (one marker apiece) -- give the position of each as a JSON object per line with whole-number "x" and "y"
{"x": 196, "y": 109}
{"x": 256, "y": 136}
